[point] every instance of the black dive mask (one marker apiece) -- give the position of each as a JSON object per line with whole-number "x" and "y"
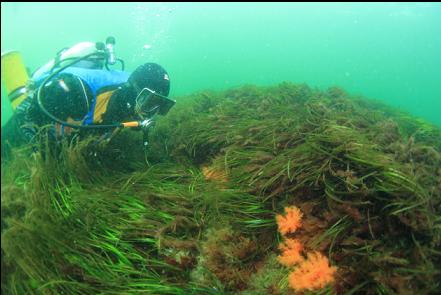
{"x": 148, "y": 103}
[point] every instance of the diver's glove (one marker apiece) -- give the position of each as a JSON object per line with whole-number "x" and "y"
{"x": 105, "y": 138}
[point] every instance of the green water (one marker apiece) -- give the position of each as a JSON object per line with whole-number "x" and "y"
{"x": 385, "y": 51}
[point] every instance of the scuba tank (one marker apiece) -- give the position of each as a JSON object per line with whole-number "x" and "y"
{"x": 19, "y": 85}
{"x": 68, "y": 54}
{"x": 14, "y": 77}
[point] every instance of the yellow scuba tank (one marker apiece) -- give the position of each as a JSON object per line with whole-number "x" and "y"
{"x": 14, "y": 77}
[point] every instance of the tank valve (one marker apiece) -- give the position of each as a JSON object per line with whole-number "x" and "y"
{"x": 110, "y": 42}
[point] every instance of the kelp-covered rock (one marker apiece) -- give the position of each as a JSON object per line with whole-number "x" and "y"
{"x": 115, "y": 218}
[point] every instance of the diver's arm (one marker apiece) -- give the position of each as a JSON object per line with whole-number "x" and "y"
{"x": 120, "y": 107}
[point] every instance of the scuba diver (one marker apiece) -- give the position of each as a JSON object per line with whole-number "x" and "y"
{"x": 77, "y": 91}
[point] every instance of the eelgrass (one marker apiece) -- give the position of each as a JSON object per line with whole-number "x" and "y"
{"x": 89, "y": 236}
{"x": 112, "y": 219}
{"x": 290, "y": 144}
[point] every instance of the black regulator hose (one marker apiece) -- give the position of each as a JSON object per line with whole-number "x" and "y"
{"x": 47, "y": 113}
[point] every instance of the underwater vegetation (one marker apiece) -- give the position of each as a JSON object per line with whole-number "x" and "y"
{"x": 254, "y": 190}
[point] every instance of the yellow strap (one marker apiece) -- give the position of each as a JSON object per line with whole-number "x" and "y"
{"x": 101, "y": 104}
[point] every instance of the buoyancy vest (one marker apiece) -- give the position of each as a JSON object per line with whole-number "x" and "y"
{"x": 102, "y": 83}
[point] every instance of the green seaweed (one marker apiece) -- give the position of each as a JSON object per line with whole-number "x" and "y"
{"x": 85, "y": 217}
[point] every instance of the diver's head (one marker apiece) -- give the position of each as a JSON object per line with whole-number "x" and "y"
{"x": 152, "y": 76}
{"x": 151, "y": 85}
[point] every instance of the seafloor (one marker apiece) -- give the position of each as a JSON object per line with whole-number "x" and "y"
{"x": 195, "y": 213}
